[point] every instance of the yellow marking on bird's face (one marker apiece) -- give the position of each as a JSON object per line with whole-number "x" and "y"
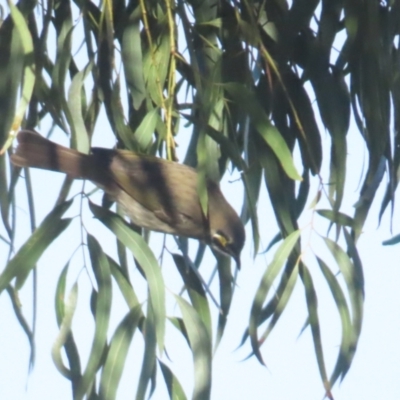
{"x": 224, "y": 245}
{"x": 220, "y": 240}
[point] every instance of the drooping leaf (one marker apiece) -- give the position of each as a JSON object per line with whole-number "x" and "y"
{"x": 175, "y": 389}
{"x": 267, "y": 280}
{"x": 149, "y": 354}
{"x": 65, "y": 310}
{"x": 226, "y": 290}
{"x": 200, "y": 344}
{"x": 29, "y": 69}
{"x": 355, "y": 286}
{"x": 147, "y": 261}
{"x": 195, "y": 291}
{"x": 133, "y": 60}
{"x": 390, "y": 242}
{"x": 116, "y": 356}
{"x": 277, "y": 305}
{"x": 65, "y": 332}
{"x": 80, "y": 138}
{"x": 346, "y": 351}
{"x": 313, "y": 320}
{"x": 337, "y": 217}
{"x": 268, "y": 132}
{"x": 26, "y": 258}
{"x": 102, "y": 310}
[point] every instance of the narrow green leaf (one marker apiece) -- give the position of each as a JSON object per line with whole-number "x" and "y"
{"x": 346, "y": 351}
{"x": 4, "y": 197}
{"x": 65, "y": 337}
{"x": 354, "y": 285}
{"x": 246, "y": 99}
{"x": 146, "y": 259}
{"x": 200, "y": 344}
{"x": 333, "y": 101}
{"x": 65, "y": 330}
{"x": 80, "y": 137}
{"x": 312, "y": 306}
{"x": 131, "y": 49}
{"x": 26, "y": 258}
{"x": 390, "y": 242}
{"x": 252, "y": 184}
{"x": 202, "y": 159}
{"x": 103, "y": 299}
{"x": 303, "y": 192}
{"x": 300, "y": 15}
{"x": 118, "y": 117}
{"x": 60, "y": 295}
{"x": 358, "y": 278}
{"x": 315, "y": 200}
{"x": 338, "y": 169}
{"x": 195, "y": 291}
{"x": 175, "y": 389}
{"x": 226, "y": 288}
{"x": 180, "y": 326}
{"x": 155, "y": 63}
{"x": 117, "y": 353}
{"x": 283, "y": 293}
{"x": 267, "y": 280}
{"x": 29, "y": 69}
{"x": 149, "y": 355}
{"x": 145, "y": 131}
{"x": 337, "y": 217}
{"x": 352, "y": 274}
{"x": 329, "y": 21}
{"x": 122, "y": 253}
{"x": 280, "y": 189}
{"x": 276, "y": 239}
{"x": 26, "y": 327}
{"x": 64, "y": 29}
{"x": 354, "y": 255}
{"x": 123, "y": 284}
{"x": 308, "y": 135}
{"x": 227, "y": 147}
{"x": 11, "y": 67}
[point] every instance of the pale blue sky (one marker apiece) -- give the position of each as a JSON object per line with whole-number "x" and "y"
{"x": 292, "y": 371}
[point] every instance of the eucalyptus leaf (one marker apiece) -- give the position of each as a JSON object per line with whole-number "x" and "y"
{"x": 200, "y": 343}
{"x": 147, "y": 261}
{"x": 266, "y": 282}
{"x": 116, "y": 356}
{"x": 28, "y": 255}
{"x": 268, "y": 132}
{"x": 102, "y": 300}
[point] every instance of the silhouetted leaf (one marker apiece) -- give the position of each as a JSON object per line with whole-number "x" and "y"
{"x": 175, "y": 389}
{"x": 267, "y": 280}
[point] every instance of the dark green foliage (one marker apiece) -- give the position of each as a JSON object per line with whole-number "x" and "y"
{"x": 251, "y": 79}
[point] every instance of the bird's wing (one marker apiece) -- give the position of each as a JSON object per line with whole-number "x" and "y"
{"x": 167, "y": 189}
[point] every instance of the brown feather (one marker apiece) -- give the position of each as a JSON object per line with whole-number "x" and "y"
{"x": 35, "y": 151}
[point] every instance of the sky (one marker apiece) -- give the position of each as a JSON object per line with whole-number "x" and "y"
{"x": 291, "y": 370}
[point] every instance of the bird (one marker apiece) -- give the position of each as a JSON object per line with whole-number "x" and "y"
{"x": 155, "y": 193}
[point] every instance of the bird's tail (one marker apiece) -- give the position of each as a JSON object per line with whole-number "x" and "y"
{"x": 35, "y": 151}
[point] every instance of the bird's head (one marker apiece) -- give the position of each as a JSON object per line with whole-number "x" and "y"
{"x": 227, "y": 233}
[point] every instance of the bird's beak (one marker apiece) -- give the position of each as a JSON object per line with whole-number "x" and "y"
{"x": 237, "y": 260}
